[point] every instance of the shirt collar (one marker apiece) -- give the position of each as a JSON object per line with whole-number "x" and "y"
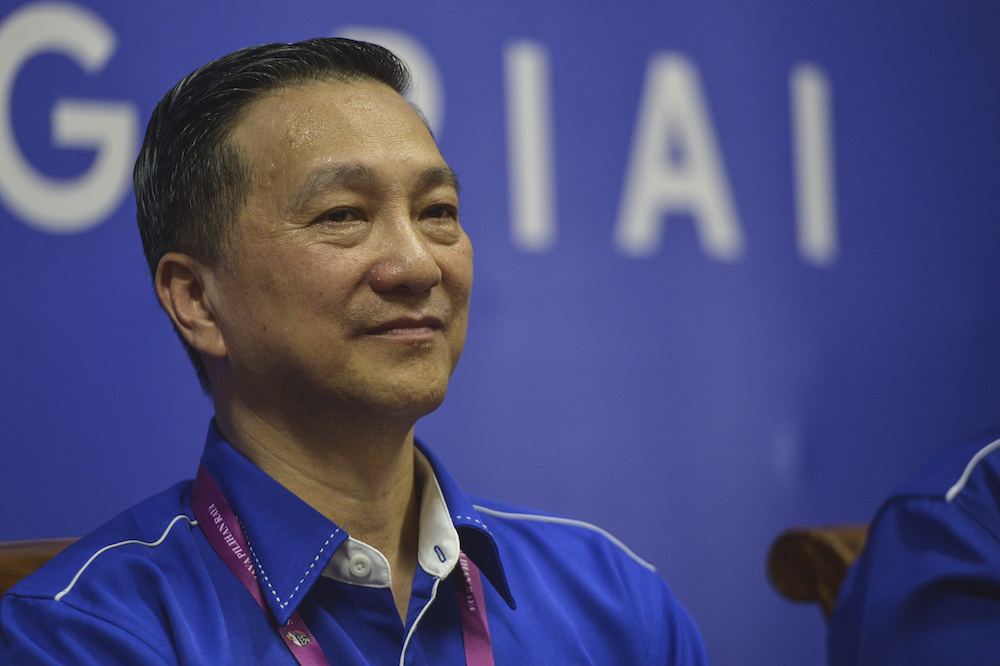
{"x": 290, "y": 541}
{"x": 357, "y": 563}
{"x": 292, "y": 544}
{"x": 476, "y": 540}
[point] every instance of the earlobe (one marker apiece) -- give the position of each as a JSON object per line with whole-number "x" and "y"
{"x": 183, "y": 285}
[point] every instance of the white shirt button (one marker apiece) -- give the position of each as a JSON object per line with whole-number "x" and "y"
{"x": 360, "y": 566}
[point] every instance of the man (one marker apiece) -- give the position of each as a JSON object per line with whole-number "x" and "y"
{"x": 926, "y": 589}
{"x": 303, "y": 234}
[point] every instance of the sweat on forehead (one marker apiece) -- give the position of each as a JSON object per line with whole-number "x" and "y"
{"x": 304, "y": 141}
{"x": 189, "y": 182}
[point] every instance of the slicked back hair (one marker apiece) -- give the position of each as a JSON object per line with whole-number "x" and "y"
{"x": 190, "y": 181}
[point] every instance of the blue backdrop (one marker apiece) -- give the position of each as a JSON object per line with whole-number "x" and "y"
{"x": 734, "y": 264}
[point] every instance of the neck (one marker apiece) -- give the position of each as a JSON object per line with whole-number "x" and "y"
{"x": 359, "y": 475}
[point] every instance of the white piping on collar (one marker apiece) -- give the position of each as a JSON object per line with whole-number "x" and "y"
{"x": 567, "y": 521}
{"x": 964, "y": 479}
{"x": 438, "y": 543}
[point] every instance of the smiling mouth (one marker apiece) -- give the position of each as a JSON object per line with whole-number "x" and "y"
{"x": 408, "y": 328}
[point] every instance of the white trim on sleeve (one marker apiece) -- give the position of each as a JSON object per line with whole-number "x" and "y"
{"x": 567, "y": 521}
{"x": 964, "y": 479}
{"x": 152, "y": 544}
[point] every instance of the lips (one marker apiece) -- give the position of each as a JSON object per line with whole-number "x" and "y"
{"x": 408, "y": 327}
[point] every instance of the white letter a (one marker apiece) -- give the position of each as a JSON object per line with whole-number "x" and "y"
{"x": 675, "y": 166}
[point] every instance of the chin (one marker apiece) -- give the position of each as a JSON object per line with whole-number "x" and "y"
{"x": 414, "y": 404}
{"x": 397, "y": 390}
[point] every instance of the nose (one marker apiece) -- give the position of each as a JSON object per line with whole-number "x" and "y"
{"x": 406, "y": 262}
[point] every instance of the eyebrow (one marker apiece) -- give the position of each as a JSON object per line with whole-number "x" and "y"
{"x": 358, "y": 176}
{"x": 442, "y": 176}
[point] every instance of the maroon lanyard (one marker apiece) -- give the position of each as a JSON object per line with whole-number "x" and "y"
{"x": 225, "y": 534}
{"x": 472, "y": 609}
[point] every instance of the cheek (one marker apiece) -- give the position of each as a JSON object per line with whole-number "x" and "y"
{"x": 322, "y": 279}
{"x": 459, "y": 274}
{"x": 457, "y": 267}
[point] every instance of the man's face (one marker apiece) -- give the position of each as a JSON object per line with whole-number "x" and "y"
{"x": 349, "y": 285}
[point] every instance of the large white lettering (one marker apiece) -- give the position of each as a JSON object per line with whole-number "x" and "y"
{"x": 428, "y": 91}
{"x": 675, "y": 166}
{"x": 812, "y": 145}
{"x": 529, "y": 146}
{"x": 62, "y": 205}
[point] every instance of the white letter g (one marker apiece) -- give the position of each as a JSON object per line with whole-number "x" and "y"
{"x": 59, "y": 205}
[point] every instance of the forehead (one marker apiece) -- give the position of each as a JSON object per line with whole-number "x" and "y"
{"x": 296, "y": 131}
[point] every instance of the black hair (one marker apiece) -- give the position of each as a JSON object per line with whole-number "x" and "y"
{"x": 190, "y": 181}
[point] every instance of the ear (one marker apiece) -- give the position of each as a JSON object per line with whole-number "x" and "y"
{"x": 183, "y": 285}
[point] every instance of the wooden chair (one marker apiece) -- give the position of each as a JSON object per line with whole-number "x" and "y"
{"x": 809, "y": 563}
{"x": 20, "y": 558}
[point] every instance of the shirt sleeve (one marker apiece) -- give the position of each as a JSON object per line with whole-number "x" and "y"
{"x": 47, "y": 632}
{"x": 681, "y": 643}
{"x": 926, "y": 590}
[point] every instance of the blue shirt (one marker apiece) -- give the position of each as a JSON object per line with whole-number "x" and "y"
{"x": 147, "y": 588}
{"x": 926, "y": 589}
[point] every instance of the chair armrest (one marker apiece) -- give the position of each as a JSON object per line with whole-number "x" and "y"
{"x": 809, "y": 563}
{"x": 20, "y": 558}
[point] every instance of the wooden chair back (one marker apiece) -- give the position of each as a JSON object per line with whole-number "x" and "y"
{"x": 20, "y": 558}
{"x": 809, "y": 563}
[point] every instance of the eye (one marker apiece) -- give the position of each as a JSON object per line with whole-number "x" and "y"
{"x": 340, "y": 216}
{"x": 442, "y": 211}
{"x": 440, "y": 223}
